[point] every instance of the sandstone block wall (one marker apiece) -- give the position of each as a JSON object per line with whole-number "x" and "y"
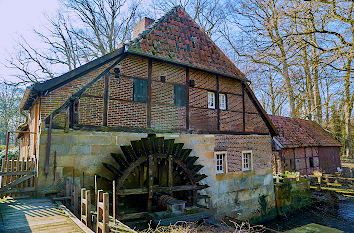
{"x": 235, "y": 193}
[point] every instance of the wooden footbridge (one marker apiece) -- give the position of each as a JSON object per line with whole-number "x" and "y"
{"x": 341, "y": 185}
{"x": 37, "y": 215}
{"x": 19, "y": 214}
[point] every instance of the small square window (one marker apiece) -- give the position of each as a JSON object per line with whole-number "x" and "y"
{"x": 246, "y": 160}
{"x": 222, "y": 101}
{"x": 221, "y": 162}
{"x": 211, "y": 100}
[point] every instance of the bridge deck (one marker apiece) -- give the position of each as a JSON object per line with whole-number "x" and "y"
{"x": 36, "y": 215}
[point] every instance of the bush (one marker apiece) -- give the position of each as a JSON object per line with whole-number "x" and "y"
{"x": 12, "y": 154}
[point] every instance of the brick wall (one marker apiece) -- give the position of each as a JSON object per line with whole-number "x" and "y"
{"x": 302, "y": 161}
{"x": 235, "y": 144}
{"x": 56, "y": 98}
{"x": 165, "y": 115}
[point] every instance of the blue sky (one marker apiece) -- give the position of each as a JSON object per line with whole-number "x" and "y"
{"x": 19, "y": 17}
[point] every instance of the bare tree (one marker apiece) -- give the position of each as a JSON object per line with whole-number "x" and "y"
{"x": 10, "y": 117}
{"x": 209, "y": 14}
{"x": 262, "y": 25}
{"x": 85, "y": 30}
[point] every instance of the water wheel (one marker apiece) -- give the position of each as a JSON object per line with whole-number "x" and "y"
{"x": 152, "y": 167}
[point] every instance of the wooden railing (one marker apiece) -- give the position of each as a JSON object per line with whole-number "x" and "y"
{"x": 17, "y": 177}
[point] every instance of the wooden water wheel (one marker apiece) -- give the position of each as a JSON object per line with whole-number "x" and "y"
{"x": 151, "y": 167}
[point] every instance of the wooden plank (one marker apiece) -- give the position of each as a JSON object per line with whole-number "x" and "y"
{"x": 105, "y": 100}
{"x": 7, "y": 169}
{"x": 243, "y": 109}
{"x": 16, "y": 182}
{"x": 170, "y": 174}
{"x": 2, "y": 181}
{"x": 73, "y": 218}
{"x": 17, "y": 173}
{"x": 187, "y": 98}
{"x": 133, "y": 216}
{"x": 23, "y": 169}
{"x": 150, "y": 182}
{"x": 17, "y": 170}
{"x": 114, "y": 196}
{"x": 18, "y": 190}
{"x": 102, "y": 224}
{"x": 148, "y": 104}
{"x": 217, "y": 104}
{"x": 49, "y": 141}
{"x": 144, "y": 190}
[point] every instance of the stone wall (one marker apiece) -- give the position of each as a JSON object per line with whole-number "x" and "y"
{"x": 234, "y": 194}
{"x": 292, "y": 195}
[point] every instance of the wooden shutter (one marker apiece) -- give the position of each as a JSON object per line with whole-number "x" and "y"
{"x": 211, "y": 100}
{"x": 180, "y": 95}
{"x": 140, "y": 90}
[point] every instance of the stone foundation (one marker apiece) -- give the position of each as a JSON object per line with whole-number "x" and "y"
{"x": 235, "y": 193}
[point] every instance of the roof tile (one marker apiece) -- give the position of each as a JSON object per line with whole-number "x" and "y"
{"x": 294, "y": 132}
{"x": 176, "y": 37}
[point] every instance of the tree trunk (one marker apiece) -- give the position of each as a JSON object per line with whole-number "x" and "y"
{"x": 348, "y": 105}
{"x": 316, "y": 89}
{"x": 309, "y": 85}
{"x": 289, "y": 88}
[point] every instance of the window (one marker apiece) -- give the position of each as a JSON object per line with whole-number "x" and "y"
{"x": 180, "y": 95}
{"x": 221, "y": 162}
{"x": 246, "y": 160}
{"x": 311, "y": 162}
{"x": 222, "y": 101}
{"x": 211, "y": 100}
{"x": 140, "y": 90}
{"x": 292, "y": 164}
{"x": 73, "y": 113}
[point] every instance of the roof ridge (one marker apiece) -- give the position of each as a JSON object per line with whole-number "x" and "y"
{"x": 152, "y": 26}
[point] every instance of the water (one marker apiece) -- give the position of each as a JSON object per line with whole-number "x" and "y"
{"x": 339, "y": 215}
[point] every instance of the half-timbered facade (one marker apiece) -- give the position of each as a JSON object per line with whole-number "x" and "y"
{"x": 304, "y": 146}
{"x": 172, "y": 82}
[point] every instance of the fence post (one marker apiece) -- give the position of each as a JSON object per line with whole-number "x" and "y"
{"x": 102, "y": 212}
{"x": 76, "y": 199}
{"x": 114, "y": 202}
{"x": 86, "y": 207}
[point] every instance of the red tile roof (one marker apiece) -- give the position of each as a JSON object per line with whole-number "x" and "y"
{"x": 294, "y": 132}
{"x": 177, "y": 38}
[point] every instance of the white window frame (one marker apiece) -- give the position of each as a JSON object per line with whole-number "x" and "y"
{"x": 223, "y": 158}
{"x": 211, "y": 99}
{"x": 249, "y": 160}
{"x": 222, "y": 104}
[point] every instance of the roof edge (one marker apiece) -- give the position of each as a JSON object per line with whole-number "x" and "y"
{"x": 37, "y": 89}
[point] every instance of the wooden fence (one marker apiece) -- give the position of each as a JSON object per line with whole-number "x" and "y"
{"x": 18, "y": 177}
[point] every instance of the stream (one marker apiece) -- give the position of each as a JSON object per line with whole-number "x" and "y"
{"x": 338, "y": 214}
